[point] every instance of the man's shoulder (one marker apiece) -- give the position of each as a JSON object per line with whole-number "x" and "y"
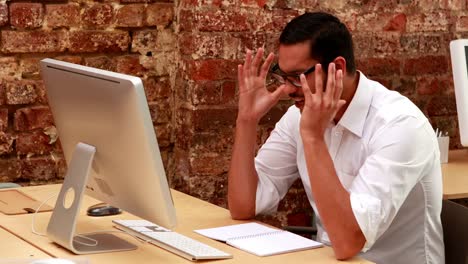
{"x": 390, "y": 105}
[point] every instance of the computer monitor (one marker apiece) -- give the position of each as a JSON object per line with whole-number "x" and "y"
{"x": 459, "y": 58}
{"x": 111, "y": 150}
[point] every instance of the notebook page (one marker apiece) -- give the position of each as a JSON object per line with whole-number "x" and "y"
{"x": 274, "y": 243}
{"x": 224, "y": 233}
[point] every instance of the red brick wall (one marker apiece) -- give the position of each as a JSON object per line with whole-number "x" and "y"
{"x": 186, "y": 52}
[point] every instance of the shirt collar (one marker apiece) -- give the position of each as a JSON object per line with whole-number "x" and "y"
{"x": 354, "y": 117}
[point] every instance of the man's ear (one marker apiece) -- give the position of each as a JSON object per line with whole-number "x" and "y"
{"x": 340, "y": 64}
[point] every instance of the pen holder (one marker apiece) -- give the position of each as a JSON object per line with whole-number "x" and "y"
{"x": 443, "y": 148}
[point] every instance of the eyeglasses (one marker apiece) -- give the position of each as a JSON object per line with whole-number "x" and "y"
{"x": 276, "y": 74}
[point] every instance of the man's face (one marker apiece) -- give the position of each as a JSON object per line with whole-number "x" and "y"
{"x": 294, "y": 60}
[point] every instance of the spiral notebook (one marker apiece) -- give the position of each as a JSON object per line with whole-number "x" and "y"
{"x": 259, "y": 239}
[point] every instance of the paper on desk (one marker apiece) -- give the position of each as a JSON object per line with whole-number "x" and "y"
{"x": 225, "y": 233}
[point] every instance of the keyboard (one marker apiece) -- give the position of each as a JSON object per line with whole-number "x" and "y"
{"x": 176, "y": 243}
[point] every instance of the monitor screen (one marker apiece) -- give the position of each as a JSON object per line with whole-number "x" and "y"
{"x": 106, "y": 132}
{"x": 459, "y": 59}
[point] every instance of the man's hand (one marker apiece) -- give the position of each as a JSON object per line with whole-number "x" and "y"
{"x": 254, "y": 99}
{"x": 321, "y": 107}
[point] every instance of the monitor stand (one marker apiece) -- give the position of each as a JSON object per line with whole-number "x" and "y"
{"x": 62, "y": 223}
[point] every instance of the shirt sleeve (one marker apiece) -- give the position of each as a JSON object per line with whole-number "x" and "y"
{"x": 400, "y": 154}
{"x": 276, "y": 164}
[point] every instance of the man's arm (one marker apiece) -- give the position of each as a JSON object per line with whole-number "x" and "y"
{"x": 242, "y": 181}
{"x": 332, "y": 199}
{"x": 254, "y": 102}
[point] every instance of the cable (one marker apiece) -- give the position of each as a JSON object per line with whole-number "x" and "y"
{"x": 95, "y": 242}
{"x": 34, "y": 216}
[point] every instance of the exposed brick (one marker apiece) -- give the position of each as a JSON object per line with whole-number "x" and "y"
{"x": 211, "y": 188}
{"x": 163, "y": 135}
{"x": 374, "y": 22}
{"x": 397, "y": 23}
{"x": 63, "y": 15}
{"x": 229, "y": 92}
{"x": 101, "y": 62}
{"x": 40, "y": 92}
{"x": 379, "y": 66}
{"x": 97, "y": 16}
{"x": 145, "y": 41}
{"x": 2, "y": 92}
{"x": 29, "y": 67}
{"x": 35, "y": 142}
{"x": 275, "y": 114}
{"x": 20, "y": 92}
{"x": 3, "y": 119}
{"x": 70, "y": 58}
{"x": 255, "y": 3}
{"x": 129, "y": 65}
{"x": 437, "y": 21}
{"x": 461, "y": 23}
{"x": 442, "y": 105}
{"x": 6, "y": 143}
{"x": 255, "y": 41}
{"x": 220, "y": 142}
{"x": 99, "y": 41}
{"x": 161, "y": 112}
{"x": 428, "y": 5}
{"x": 9, "y": 68}
{"x": 206, "y": 93}
{"x": 148, "y": 42}
{"x": 39, "y": 168}
{"x": 212, "y": 69}
{"x": 160, "y": 14}
{"x": 405, "y": 86}
{"x": 3, "y": 14}
{"x": 431, "y": 85}
{"x": 26, "y": 15}
{"x": 160, "y": 64}
{"x": 209, "y": 164}
{"x": 9, "y": 169}
{"x": 426, "y": 65}
{"x": 138, "y": 1}
{"x": 33, "y": 41}
{"x": 213, "y": 119}
{"x": 157, "y": 88}
{"x": 209, "y": 45}
{"x": 386, "y": 43}
{"x": 130, "y": 15}
{"x": 223, "y": 21}
{"x": 30, "y": 118}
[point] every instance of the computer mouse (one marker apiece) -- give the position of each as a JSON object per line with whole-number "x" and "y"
{"x": 53, "y": 261}
{"x": 103, "y": 209}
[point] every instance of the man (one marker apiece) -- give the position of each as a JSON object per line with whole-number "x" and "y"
{"x": 368, "y": 158}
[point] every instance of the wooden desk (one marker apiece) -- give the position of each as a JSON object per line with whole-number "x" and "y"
{"x": 455, "y": 175}
{"x": 192, "y": 214}
{"x": 14, "y": 247}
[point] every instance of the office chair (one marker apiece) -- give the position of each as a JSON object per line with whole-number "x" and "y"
{"x": 306, "y": 231}
{"x": 454, "y": 221}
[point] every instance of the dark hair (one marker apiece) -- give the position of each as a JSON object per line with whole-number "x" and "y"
{"x": 328, "y": 36}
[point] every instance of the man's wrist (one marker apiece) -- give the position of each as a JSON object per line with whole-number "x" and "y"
{"x": 312, "y": 139}
{"x": 246, "y": 120}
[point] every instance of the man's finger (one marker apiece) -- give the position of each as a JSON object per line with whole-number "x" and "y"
{"x": 339, "y": 84}
{"x": 240, "y": 77}
{"x": 256, "y": 61}
{"x": 248, "y": 62}
{"x": 266, "y": 65}
{"x": 306, "y": 88}
{"x": 318, "y": 80}
{"x": 330, "y": 90}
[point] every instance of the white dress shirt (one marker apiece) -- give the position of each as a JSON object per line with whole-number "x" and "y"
{"x": 386, "y": 156}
